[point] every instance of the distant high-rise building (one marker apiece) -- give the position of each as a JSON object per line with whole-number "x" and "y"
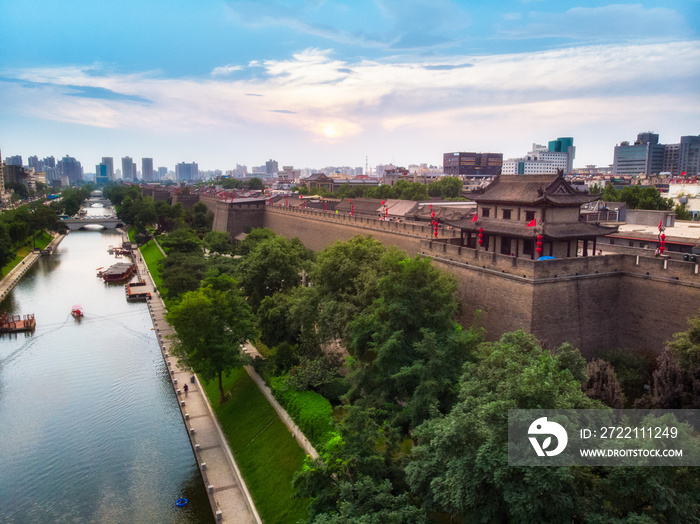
{"x": 69, "y": 167}
{"x": 128, "y": 168}
{"x": 35, "y": 163}
{"x": 15, "y": 160}
{"x": 271, "y": 167}
{"x": 645, "y": 156}
{"x": 557, "y": 155}
{"x": 147, "y": 169}
{"x": 472, "y": 164}
{"x": 185, "y": 172}
{"x": 683, "y": 157}
{"x": 101, "y": 174}
{"x": 162, "y": 173}
{"x": 49, "y": 161}
{"x": 109, "y": 162}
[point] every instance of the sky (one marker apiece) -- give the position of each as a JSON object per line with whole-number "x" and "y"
{"x": 342, "y": 83}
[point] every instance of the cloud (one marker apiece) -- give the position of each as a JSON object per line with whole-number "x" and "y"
{"x": 562, "y": 89}
{"x": 225, "y": 70}
{"x": 384, "y": 24}
{"x": 616, "y": 22}
{"x": 446, "y": 67}
{"x": 83, "y": 91}
{"x": 345, "y": 70}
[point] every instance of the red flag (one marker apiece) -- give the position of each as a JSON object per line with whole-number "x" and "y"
{"x": 683, "y": 173}
{"x": 661, "y": 224}
{"x": 532, "y": 223}
{"x": 476, "y": 216}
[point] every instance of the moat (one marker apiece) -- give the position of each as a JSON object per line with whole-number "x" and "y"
{"x": 90, "y": 430}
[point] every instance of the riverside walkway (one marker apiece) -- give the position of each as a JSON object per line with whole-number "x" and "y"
{"x": 10, "y": 280}
{"x": 228, "y": 494}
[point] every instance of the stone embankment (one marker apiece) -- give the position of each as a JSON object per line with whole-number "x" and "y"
{"x": 228, "y": 494}
{"x": 10, "y": 280}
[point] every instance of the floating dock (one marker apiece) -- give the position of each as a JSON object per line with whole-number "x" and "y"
{"x": 17, "y": 323}
{"x": 137, "y": 292}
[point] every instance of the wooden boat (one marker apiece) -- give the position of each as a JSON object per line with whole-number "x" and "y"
{"x": 118, "y": 272}
{"x": 77, "y": 312}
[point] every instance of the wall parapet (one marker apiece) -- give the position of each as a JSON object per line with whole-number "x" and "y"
{"x": 413, "y": 229}
{"x": 688, "y": 272}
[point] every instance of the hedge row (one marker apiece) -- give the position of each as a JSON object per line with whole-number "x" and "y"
{"x": 311, "y": 412}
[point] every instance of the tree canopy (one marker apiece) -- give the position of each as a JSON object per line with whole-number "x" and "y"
{"x": 212, "y": 322}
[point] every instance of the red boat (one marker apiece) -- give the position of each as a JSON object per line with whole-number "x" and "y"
{"x": 77, "y": 312}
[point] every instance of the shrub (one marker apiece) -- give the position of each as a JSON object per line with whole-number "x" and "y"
{"x": 312, "y": 412}
{"x": 335, "y": 389}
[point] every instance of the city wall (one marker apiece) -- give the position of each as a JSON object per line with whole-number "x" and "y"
{"x": 595, "y": 303}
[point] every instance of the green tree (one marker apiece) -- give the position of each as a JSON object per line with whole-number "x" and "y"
{"x": 182, "y": 241}
{"x": 413, "y": 297}
{"x": 255, "y": 184}
{"x": 682, "y": 213}
{"x": 252, "y": 239}
{"x": 219, "y": 242}
{"x": 638, "y": 197}
{"x": 460, "y": 464}
{"x": 211, "y": 324}
{"x": 273, "y": 265}
{"x": 182, "y": 272}
{"x": 6, "y": 252}
{"x": 446, "y": 187}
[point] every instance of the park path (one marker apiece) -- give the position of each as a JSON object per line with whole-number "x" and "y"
{"x": 228, "y": 494}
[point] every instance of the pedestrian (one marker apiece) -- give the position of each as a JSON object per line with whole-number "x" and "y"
{"x": 186, "y": 389}
{"x": 657, "y": 252}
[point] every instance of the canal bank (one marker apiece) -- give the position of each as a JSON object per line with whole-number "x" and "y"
{"x": 10, "y": 280}
{"x": 228, "y": 493}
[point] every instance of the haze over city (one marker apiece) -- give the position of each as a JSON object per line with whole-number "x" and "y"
{"x": 320, "y": 83}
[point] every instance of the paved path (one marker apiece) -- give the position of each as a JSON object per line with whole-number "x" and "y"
{"x": 228, "y": 494}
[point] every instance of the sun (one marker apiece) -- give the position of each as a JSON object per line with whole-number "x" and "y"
{"x": 330, "y": 130}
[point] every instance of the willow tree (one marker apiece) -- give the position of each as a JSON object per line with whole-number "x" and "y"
{"x": 212, "y": 323}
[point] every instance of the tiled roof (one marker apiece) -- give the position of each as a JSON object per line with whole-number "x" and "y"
{"x": 532, "y": 189}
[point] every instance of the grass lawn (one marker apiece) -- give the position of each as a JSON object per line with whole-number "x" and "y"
{"x": 131, "y": 233}
{"x": 41, "y": 243}
{"x": 151, "y": 255}
{"x": 266, "y": 452}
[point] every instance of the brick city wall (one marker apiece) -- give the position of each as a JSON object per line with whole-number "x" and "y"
{"x": 595, "y": 303}
{"x": 234, "y": 218}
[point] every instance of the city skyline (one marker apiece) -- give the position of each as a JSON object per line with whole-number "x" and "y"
{"x": 312, "y": 84}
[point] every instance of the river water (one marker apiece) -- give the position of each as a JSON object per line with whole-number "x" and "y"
{"x": 90, "y": 430}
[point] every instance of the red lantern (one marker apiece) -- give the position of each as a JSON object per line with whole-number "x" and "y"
{"x": 382, "y": 202}
{"x": 663, "y": 237}
{"x": 481, "y": 235}
{"x": 539, "y": 250}
{"x": 386, "y": 212}
{"x": 352, "y": 210}
{"x": 324, "y": 205}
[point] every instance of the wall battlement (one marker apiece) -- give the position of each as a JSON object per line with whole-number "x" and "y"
{"x": 595, "y": 303}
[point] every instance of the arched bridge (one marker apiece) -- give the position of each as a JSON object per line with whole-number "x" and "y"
{"x": 107, "y": 222}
